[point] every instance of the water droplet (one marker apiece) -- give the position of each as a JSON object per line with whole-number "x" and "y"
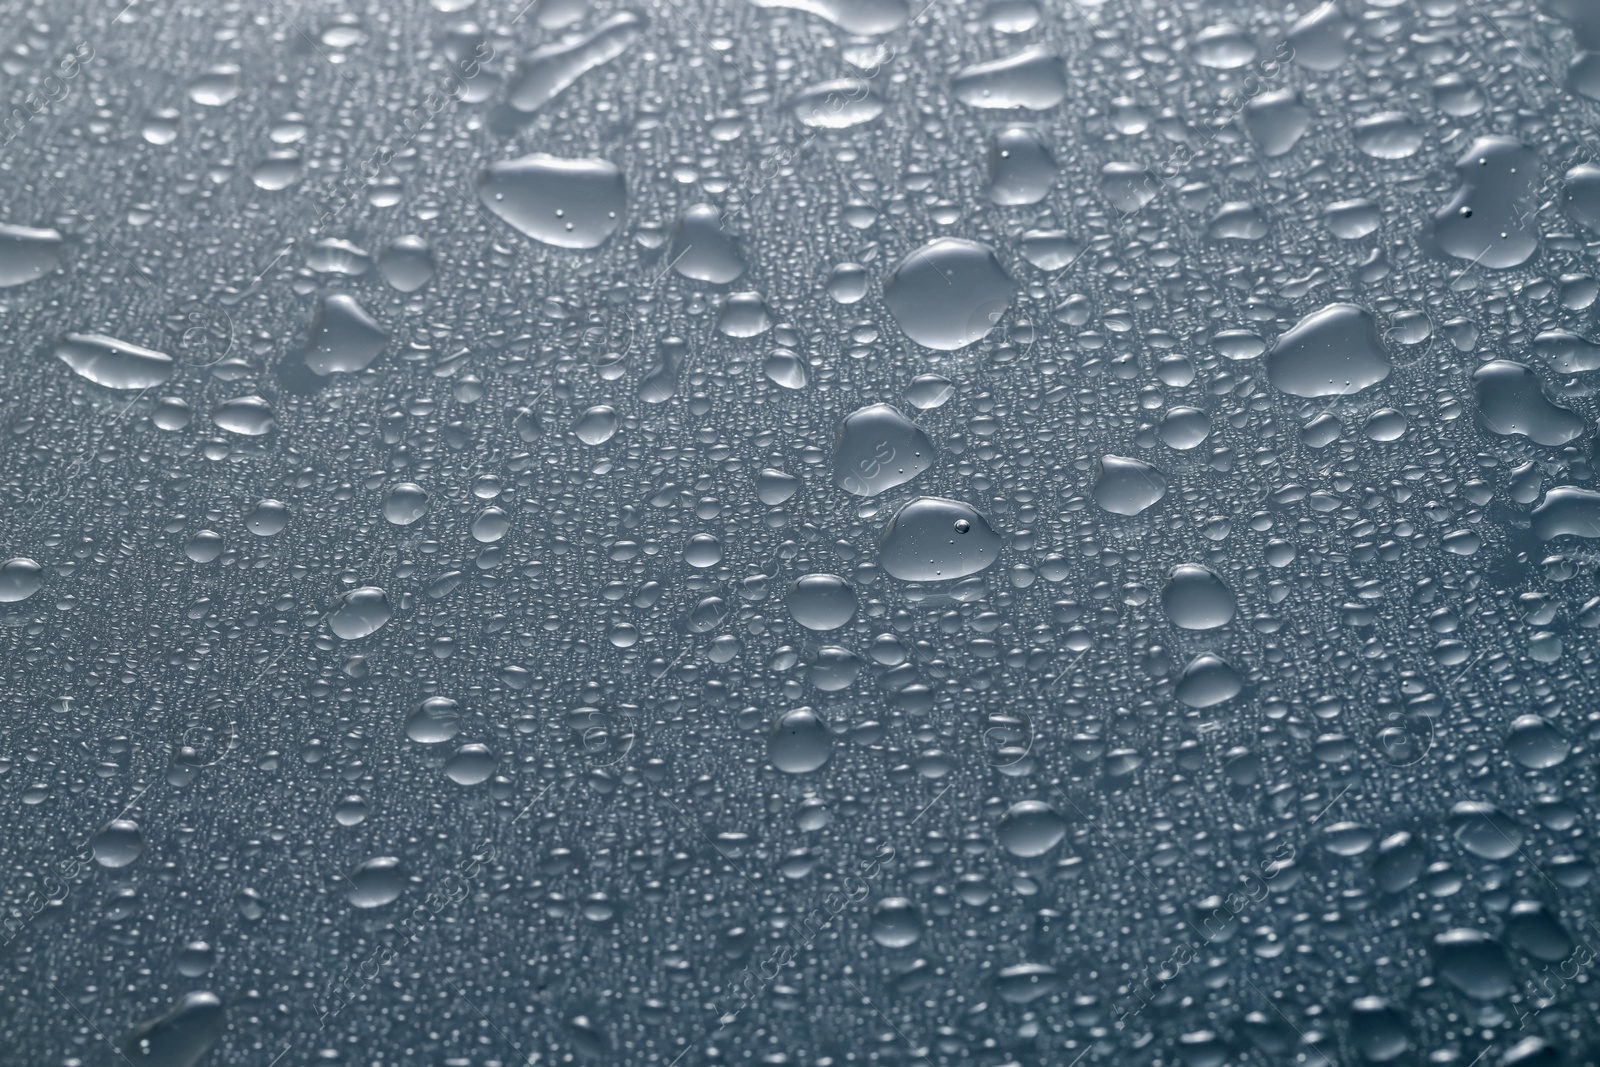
{"x": 701, "y": 249}
{"x": 1535, "y": 743}
{"x": 948, "y": 293}
{"x": 117, "y": 843}
{"x": 1335, "y": 351}
{"x": 376, "y": 882}
{"x": 1125, "y": 486}
{"x": 434, "y": 721}
{"x": 549, "y": 70}
{"x": 217, "y": 86}
{"x": 568, "y": 203}
{"x": 20, "y": 578}
{"x": 1567, "y": 511}
{"x": 1032, "y": 78}
{"x": 248, "y": 416}
{"x": 27, "y": 254}
{"x": 180, "y": 1038}
{"x": 925, "y": 541}
{"x": 112, "y": 363}
{"x": 1196, "y": 599}
{"x": 405, "y": 504}
{"x": 896, "y": 923}
{"x": 597, "y": 425}
{"x": 1497, "y": 176}
{"x": 1207, "y": 680}
{"x": 1512, "y": 402}
{"x": 821, "y": 601}
{"x": 407, "y": 264}
{"x": 798, "y": 742}
{"x": 471, "y": 765}
{"x": 1474, "y": 963}
{"x": 876, "y": 448}
{"x": 360, "y": 613}
{"x": 863, "y": 18}
{"x": 837, "y": 105}
{"x": 1030, "y": 828}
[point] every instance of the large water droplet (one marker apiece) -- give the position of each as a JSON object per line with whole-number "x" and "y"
{"x": 1030, "y": 828}
{"x": 821, "y": 601}
{"x": 1031, "y": 79}
{"x": 895, "y": 923}
{"x": 596, "y": 425}
{"x": 217, "y": 86}
{"x": 932, "y": 539}
{"x": 837, "y": 105}
{"x": 545, "y": 72}
{"x": 1535, "y": 743}
{"x": 1024, "y": 983}
{"x": 568, "y": 203}
{"x": 376, "y": 882}
{"x": 1567, "y": 511}
{"x": 407, "y": 264}
{"x": 471, "y": 765}
{"x": 1335, "y": 351}
{"x": 405, "y": 503}
{"x": 344, "y": 339}
{"x": 27, "y": 254}
{"x": 117, "y": 843}
{"x": 1321, "y": 38}
{"x": 1388, "y": 135}
{"x": 1021, "y": 168}
{"x": 20, "y": 578}
{"x": 798, "y": 742}
{"x": 112, "y": 363}
{"x": 1224, "y": 46}
{"x": 1125, "y": 486}
{"x": 948, "y": 293}
{"x": 1512, "y": 403}
{"x": 434, "y": 721}
{"x": 1207, "y": 680}
{"x": 863, "y": 18}
{"x": 1196, "y": 599}
{"x": 701, "y": 249}
{"x": 181, "y": 1037}
{"x": 876, "y": 448}
{"x": 1474, "y": 963}
{"x": 1488, "y": 221}
{"x": 1484, "y": 830}
{"x": 248, "y": 416}
{"x": 1277, "y": 120}
{"x": 360, "y": 613}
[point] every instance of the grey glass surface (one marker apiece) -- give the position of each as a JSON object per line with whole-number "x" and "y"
{"x": 799, "y": 532}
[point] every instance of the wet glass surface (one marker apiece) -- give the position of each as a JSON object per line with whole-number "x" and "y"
{"x": 799, "y": 532}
